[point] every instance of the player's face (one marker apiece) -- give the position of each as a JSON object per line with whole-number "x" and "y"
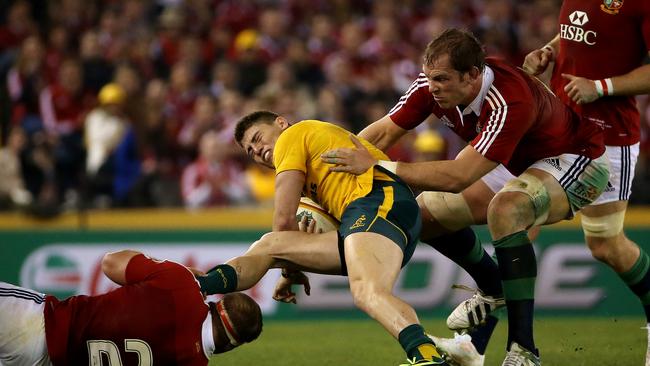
{"x": 259, "y": 141}
{"x": 449, "y": 87}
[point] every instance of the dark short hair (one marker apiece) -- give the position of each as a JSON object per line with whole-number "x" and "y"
{"x": 463, "y": 49}
{"x": 251, "y": 119}
{"x": 245, "y": 314}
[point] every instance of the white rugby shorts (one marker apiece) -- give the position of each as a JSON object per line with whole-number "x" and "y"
{"x": 22, "y": 327}
{"x": 622, "y": 161}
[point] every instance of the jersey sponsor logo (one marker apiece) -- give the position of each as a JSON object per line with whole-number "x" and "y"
{"x": 575, "y": 32}
{"x": 361, "y": 222}
{"x": 611, "y": 6}
{"x": 554, "y": 162}
{"x": 579, "y": 18}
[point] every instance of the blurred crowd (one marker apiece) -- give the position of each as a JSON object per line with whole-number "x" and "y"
{"x": 132, "y": 103}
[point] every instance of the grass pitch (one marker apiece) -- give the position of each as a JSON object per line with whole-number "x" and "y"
{"x": 562, "y": 342}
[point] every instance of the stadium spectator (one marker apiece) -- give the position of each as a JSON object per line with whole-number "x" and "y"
{"x": 378, "y": 215}
{"x": 25, "y": 79}
{"x": 604, "y": 92}
{"x": 12, "y": 186}
{"x": 514, "y": 174}
{"x": 157, "y": 316}
{"x": 214, "y": 178}
{"x": 18, "y": 25}
{"x": 97, "y": 70}
{"x": 105, "y": 127}
{"x": 321, "y": 42}
{"x": 63, "y": 106}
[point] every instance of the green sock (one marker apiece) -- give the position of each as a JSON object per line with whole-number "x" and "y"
{"x": 637, "y": 279}
{"x": 222, "y": 279}
{"x": 416, "y": 344}
{"x": 518, "y": 269}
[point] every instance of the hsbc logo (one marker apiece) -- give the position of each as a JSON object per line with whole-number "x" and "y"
{"x": 575, "y": 32}
{"x": 578, "y": 18}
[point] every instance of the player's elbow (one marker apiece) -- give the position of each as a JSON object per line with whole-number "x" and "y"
{"x": 110, "y": 262}
{"x": 285, "y": 223}
{"x": 114, "y": 264}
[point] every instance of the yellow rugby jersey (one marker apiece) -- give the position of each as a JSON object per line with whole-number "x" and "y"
{"x": 300, "y": 146}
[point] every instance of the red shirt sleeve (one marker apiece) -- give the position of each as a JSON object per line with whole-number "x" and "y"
{"x": 414, "y": 106}
{"x": 167, "y": 274}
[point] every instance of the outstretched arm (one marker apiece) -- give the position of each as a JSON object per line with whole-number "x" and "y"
{"x": 443, "y": 175}
{"x": 447, "y": 175}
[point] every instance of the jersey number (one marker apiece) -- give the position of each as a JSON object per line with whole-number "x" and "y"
{"x": 109, "y": 350}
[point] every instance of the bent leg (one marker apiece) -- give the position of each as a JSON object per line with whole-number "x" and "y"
{"x": 374, "y": 263}
{"x": 532, "y": 198}
{"x": 460, "y": 211}
{"x": 447, "y": 218}
{"x": 603, "y": 227}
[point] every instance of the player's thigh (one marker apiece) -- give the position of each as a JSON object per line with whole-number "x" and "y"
{"x": 569, "y": 183}
{"x": 603, "y": 219}
{"x": 22, "y": 326}
{"x": 444, "y": 212}
{"x": 622, "y": 162}
{"x": 373, "y": 260}
{"x": 311, "y": 252}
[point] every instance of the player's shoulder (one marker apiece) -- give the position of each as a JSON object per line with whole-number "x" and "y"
{"x": 510, "y": 83}
{"x": 419, "y": 86}
{"x": 167, "y": 270}
{"x": 310, "y": 129}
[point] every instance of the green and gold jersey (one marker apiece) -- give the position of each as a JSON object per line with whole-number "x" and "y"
{"x": 300, "y": 146}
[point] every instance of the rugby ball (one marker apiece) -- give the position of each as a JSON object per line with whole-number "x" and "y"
{"x": 313, "y": 211}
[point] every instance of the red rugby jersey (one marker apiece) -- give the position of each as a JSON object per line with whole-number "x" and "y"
{"x": 520, "y": 120}
{"x": 598, "y": 40}
{"x": 155, "y": 319}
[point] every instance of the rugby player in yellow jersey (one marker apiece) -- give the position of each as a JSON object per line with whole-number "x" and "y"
{"x": 380, "y": 225}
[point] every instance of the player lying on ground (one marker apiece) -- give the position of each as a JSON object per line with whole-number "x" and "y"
{"x": 158, "y": 316}
{"x": 380, "y": 224}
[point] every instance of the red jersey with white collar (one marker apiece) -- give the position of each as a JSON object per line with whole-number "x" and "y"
{"x": 520, "y": 120}
{"x": 599, "y": 40}
{"x": 155, "y": 319}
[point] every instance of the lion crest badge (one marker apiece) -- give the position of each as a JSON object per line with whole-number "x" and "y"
{"x": 611, "y": 6}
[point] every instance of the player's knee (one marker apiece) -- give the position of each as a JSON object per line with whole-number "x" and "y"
{"x": 600, "y": 249}
{"x": 449, "y": 210}
{"x": 507, "y": 207}
{"x": 363, "y": 295}
{"x": 267, "y": 244}
{"x": 523, "y": 200}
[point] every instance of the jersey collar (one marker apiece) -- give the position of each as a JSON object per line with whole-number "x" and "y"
{"x": 476, "y": 105}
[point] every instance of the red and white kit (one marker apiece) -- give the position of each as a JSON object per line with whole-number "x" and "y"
{"x": 600, "y": 40}
{"x": 159, "y": 317}
{"x": 515, "y": 120}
